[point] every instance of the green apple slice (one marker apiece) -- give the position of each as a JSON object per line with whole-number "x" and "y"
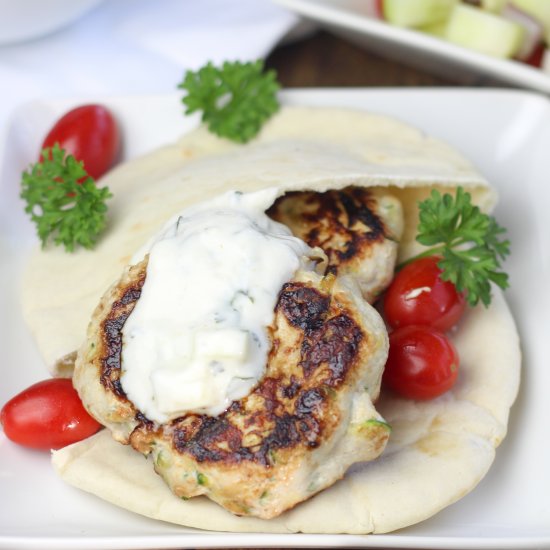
{"x": 416, "y": 13}
{"x": 493, "y": 5}
{"x": 540, "y": 9}
{"x": 484, "y": 32}
{"x": 534, "y": 30}
{"x": 435, "y": 29}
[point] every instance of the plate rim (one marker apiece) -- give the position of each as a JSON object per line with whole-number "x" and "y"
{"x": 298, "y": 540}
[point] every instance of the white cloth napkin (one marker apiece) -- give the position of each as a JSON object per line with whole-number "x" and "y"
{"x": 137, "y": 46}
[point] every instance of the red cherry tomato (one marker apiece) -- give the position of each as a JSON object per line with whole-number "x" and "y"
{"x": 422, "y": 362}
{"x": 47, "y": 415}
{"x": 418, "y": 296}
{"x": 90, "y": 134}
{"x": 379, "y": 8}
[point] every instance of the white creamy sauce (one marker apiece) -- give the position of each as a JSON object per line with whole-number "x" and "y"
{"x": 197, "y": 339}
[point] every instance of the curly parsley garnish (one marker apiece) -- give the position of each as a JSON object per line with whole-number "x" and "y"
{"x": 468, "y": 241}
{"x": 236, "y": 99}
{"x": 64, "y": 201}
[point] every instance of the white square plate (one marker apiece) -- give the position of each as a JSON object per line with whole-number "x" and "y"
{"x": 506, "y": 135}
{"x": 357, "y": 20}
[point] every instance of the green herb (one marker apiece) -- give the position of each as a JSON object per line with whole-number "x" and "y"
{"x": 161, "y": 461}
{"x": 201, "y": 479}
{"x": 63, "y": 201}
{"x": 235, "y": 99}
{"x": 312, "y": 487}
{"x": 245, "y": 509}
{"x": 377, "y": 423}
{"x": 468, "y": 241}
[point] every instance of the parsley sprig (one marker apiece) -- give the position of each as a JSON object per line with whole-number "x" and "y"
{"x": 64, "y": 201}
{"x": 235, "y": 99}
{"x": 468, "y": 241}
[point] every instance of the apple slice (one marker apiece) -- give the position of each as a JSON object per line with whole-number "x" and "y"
{"x": 534, "y": 30}
{"x": 416, "y": 13}
{"x": 484, "y": 32}
{"x": 435, "y": 29}
{"x": 540, "y": 9}
{"x": 493, "y": 5}
{"x": 537, "y": 8}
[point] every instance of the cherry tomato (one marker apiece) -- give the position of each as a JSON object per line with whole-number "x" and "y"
{"x": 90, "y": 134}
{"x": 418, "y": 296}
{"x": 47, "y": 415}
{"x": 379, "y": 8}
{"x": 422, "y": 362}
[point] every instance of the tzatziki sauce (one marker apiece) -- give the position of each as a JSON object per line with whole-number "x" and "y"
{"x": 197, "y": 338}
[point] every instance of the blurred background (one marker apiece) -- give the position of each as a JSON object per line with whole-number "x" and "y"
{"x": 60, "y": 48}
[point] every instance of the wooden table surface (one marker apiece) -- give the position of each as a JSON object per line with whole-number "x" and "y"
{"x": 324, "y": 60}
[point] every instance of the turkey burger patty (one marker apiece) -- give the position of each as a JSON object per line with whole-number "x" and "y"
{"x": 255, "y": 433}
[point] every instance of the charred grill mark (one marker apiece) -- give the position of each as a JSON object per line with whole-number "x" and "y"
{"x": 308, "y": 408}
{"x": 110, "y": 364}
{"x": 355, "y": 209}
{"x": 335, "y": 346}
{"x": 268, "y": 390}
{"x": 284, "y": 435}
{"x": 288, "y": 431}
{"x": 309, "y": 401}
{"x": 358, "y": 209}
{"x": 215, "y": 440}
{"x": 115, "y": 385}
{"x": 112, "y": 337}
{"x": 330, "y": 342}
{"x": 342, "y": 223}
{"x": 186, "y": 428}
{"x": 131, "y": 295}
{"x": 313, "y": 237}
{"x": 141, "y": 418}
{"x": 218, "y": 440}
{"x": 290, "y": 390}
{"x": 304, "y": 307}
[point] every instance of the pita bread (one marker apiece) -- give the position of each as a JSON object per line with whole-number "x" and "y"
{"x": 439, "y": 450}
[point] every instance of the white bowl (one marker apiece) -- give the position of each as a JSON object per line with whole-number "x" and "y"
{"x": 22, "y": 20}
{"x": 356, "y": 21}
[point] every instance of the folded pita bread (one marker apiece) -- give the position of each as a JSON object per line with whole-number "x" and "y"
{"x": 299, "y": 149}
{"x": 439, "y": 450}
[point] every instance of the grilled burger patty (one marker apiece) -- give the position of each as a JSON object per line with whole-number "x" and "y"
{"x": 357, "y": 228}
{"x": 310, "y": 417}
